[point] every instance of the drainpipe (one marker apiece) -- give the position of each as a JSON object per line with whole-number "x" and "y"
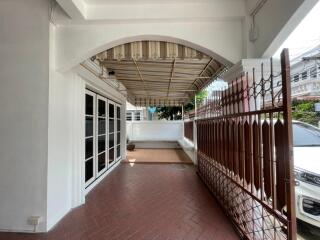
{"x": 254, "y": 32}
{"x": 257, "y": 8}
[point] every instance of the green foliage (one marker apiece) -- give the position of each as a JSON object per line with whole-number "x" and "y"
{"x": 200, "y": 97}
{"x": 169, "y": 113}
{"x": 304, "y": 110}
{"x": 174, "y": 113}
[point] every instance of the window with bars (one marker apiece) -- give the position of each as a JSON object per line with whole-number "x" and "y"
{"x": 304, "y": 75}
{"x": 313, "y": 72}
{"x": 134, "y": 115}
{"x": 129, "y": 116}
{"x": 137, "y": 116}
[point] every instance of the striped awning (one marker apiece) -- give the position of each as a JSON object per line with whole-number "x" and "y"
{"x": 159, "y": 73}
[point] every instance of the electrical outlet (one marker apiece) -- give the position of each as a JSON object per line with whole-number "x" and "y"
{"x": 34, "y": 221}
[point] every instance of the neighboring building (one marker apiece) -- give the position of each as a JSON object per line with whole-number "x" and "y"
{"x": 134, "y": 113}
{"x": 305, "y": 75}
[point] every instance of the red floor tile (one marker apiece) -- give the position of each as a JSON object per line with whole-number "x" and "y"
{"x": 143, "y": 201}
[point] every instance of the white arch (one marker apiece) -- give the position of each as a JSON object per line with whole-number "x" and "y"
{"x": 158, "y": 38}
{"x": 75, "y": 44}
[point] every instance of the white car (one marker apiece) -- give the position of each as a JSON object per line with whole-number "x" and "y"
{"x": 306, "y": 148}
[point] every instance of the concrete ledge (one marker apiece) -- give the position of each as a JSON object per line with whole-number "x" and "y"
{"x": 188, "y": 148}
{"x": 156, "y": 144}
{"x": 186, "y": 144}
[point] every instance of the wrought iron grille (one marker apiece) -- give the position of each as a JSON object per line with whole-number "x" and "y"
{"x": 188, "y": 130}
{"x": 245, "y": 153}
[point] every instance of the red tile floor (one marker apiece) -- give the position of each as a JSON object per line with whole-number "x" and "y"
{"x": 144, "y": 201}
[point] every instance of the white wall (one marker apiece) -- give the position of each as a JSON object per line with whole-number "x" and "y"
{"x": 65, "y": 141}
{"x": 60, "y": 144}
{"x": 155, "y": 130}
{"x": 42, "y": 121}
{"x": 24, "y": 71}
{"x": 65, "y": 188}
{"x": 219, "y": 29}
{"x": 275, "y": 21}
{"x": 223, "y": 40}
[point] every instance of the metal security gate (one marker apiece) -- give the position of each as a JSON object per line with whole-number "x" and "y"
{"x": 245, "y": 153}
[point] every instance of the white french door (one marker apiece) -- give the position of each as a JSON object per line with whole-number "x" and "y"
{"x": 112, "y": 133}
{"x": 102, "y": 135}
{"x": 90, "y": 138}
{"x": 102, "y": 155}
{"x": 118, "y": 136}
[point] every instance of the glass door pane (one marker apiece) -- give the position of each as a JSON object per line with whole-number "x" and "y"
{"x": 89, "y": 138}
{"x": 118, "y": 133}
{"x": 101, "y": 135}
{"x": 112, "y": 132}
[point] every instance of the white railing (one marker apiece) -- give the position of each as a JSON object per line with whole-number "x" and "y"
{"x": 155, "y": 130}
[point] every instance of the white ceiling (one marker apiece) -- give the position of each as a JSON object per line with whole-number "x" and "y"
{"x": 141, "y": 1}
{"x": 127, "y": 11}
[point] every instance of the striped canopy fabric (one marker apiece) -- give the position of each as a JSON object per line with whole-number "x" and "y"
{"x": 159, "y": 73}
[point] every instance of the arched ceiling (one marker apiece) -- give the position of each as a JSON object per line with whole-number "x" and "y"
{"x": 159, "y": 73}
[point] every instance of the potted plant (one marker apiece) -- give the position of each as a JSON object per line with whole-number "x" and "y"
{"x": 130, "y": 146}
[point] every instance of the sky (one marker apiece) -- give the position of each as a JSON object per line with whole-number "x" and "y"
{"x": 217, "y": 85}
{"x": 306, "y": 36}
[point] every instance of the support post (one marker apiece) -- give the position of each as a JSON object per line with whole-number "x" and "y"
{"x": 288, "y": 150}
{"x": 195, "y": 138}
{"x": 182, "y": 112}
{"x": 182, "y": 116}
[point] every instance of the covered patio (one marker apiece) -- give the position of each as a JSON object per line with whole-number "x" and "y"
{"x": 67, "y": 75}
{"x": 222, "y": 174}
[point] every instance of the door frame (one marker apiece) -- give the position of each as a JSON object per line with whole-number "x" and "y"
{"x": 98, "y": 176}
{"x": 92, "y": 179}
{"x": 99, "y": 97}
{"x": 114, "y": 133}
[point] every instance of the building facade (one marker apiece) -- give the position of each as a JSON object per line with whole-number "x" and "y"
{"x": 305, "y": 75}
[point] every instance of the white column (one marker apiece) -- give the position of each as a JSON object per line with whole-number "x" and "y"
{"x": 77, "y": 139}
{"x": 195, "y": 132}
{"x": 182, "y": 116}
{"x": 123, "y": 141}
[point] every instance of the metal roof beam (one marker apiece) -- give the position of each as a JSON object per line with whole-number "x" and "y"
{"x": 171, "y": 76}
{"x": 144, "y": 84}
